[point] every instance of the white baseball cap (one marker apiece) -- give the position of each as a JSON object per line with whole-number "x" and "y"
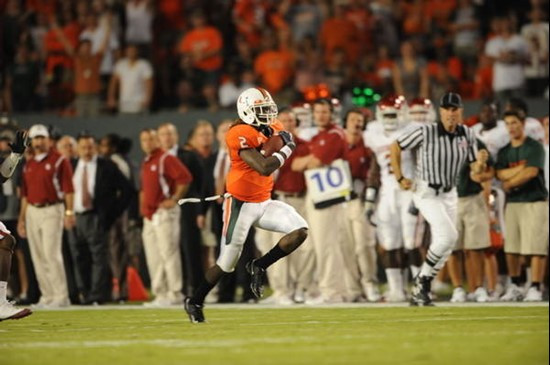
{"x": 38, "y": 130}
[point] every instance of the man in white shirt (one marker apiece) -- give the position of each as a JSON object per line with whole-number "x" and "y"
{"x": 536, "y": 35}
{"x": 508, "y": 52}
{"x": 95, "y": 33}
{"x": 134, "y": 79}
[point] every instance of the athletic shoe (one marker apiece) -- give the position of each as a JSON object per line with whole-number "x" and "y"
{"x": 299, "y": 296}
{"x": 321, "y": 300}
{"x": 395, "y": 297}
{"x": 372, "y": 292}
{"x": 481, "y": 295}
{"x": 194, "y": 311}
{"x": 158, "y": 302}
{"x": 8, "y": 311}
{"x": 513, "y": 294}
{"x": 459, "y": 295}
{"x": 257, "y": 278}
{"x": 533, "y": 295}
{"x": 420, "y": 295}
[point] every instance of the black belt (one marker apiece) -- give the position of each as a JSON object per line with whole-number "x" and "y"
{"x": 43, "y": 205}
{"x": 439, "y": 187}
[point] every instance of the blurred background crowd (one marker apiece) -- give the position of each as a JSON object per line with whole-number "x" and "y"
{"x": 77, "y": 57}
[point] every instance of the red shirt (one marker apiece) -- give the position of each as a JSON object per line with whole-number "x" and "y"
{"x": 160, "y": 174}
{"x": 47, "y": 180}
{"x": 358, "y": 157}
{"x": 329, "y": 144}
{"x": 292, "y": 181}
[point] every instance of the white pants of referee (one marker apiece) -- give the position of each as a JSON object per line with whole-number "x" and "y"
{"x": 161, "y": 241}
{"x": 440, "y": 210}
{"x": 45, "y": 234}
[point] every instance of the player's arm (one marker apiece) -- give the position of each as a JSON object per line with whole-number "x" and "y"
{"x": 17, "y": 149}
{"x": 263, "y": 165}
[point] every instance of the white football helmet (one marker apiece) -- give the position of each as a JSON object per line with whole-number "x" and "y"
{"x": 421, "y": 110}
{"x": 256, "y": 107}
{"x": 389, "y": 111}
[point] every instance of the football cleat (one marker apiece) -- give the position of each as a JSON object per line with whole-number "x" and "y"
{"x": 257, "y": 278}
{"x": 194, "y": 311}
{"x": 8, "y": 311}
{"x": 420, "y": 295}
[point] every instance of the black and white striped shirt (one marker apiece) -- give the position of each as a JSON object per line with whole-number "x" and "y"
{"x": 440, "y": 154}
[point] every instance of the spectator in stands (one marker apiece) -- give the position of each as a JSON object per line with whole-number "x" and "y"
{"x": 274, "y": 65}
{"x": 102, "y": 194}
{"x": 95, "y": 33}
{"x": 384, "y": 70}
{"x": 164, "y": 180}
{"x": 537, "y": 37}
{"x": 10, "y": 28}
{"x": 509, "y": 52}
{"x": 305, "y": 19}
{"x": 43, "y": 215}
{"x": 22, "y": 83}
{"x": 465, "y": 30}
{"x": 236, "y": 81}
{"x": 139, "y": 24}
{"x": 133, "y": 77}
{"x": 410, "y": 76}
{"x": 520, "y": 167}
{"x": 203, "y": 47}
{"x": 337, "y": 32}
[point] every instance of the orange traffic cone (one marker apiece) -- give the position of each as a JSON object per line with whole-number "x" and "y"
{"x": 136, "y": 290}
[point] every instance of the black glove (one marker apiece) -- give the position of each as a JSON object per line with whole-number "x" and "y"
{"x": 266, "y": 130}
{"x": 20, "y": 143}
{"x": 287, "y": 137}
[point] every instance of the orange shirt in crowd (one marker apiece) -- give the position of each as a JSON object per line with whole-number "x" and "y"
{"x": 362, "y": 20}
{"x": 243, "y": 182}
{"x": 339, "y": 33}
{"x": 172, "y": 13}
{"x": 46, "y": 7}
{"x": 274, "y": 68}
{"x": 483, "y": 82}
{"x": 246, "y": 14}
{"x": 56, "y": 55}
{"x": 87, "y": 79}
{"x": 205, "y": 39}
{"x": 440, "y": 10}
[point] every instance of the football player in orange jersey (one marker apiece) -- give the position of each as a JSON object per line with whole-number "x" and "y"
{"x": 249, "y": 184}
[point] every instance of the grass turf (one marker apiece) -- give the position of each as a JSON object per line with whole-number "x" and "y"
{"x": 357, "y": 335}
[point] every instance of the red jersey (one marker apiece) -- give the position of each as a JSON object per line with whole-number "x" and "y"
{"x": 292, "y": 181}
{"x": 46, "y": 180}
{"x": 160, "y": 174}
{"x": 243, "y": 182}
{"x": 329, "y": 144}
{"x": 359, "y": 156}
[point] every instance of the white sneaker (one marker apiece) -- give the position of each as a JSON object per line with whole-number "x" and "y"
{"x": 299, "y": 296}
{"x": 481, "y": 295}
{"x": 533, "y": 295}
{"x": 459, "y": 295}
{"x": 440, "y": 286}
{"x": 42, "y": 303}
{"x": 59, "y": 303}
{"x": 372, "y": 292}
{"x": 284, "y": 300}
{"x": 512, "y": 294}
{"x": 8, "y": 311}
{"x": 395, "y": 297}
{"x": 320, "y": 300}
{"x": 158, "y": 303}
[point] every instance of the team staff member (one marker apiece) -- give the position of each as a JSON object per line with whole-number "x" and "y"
{"x": 361, "y": 251}
{"x": 164, "y": 180}
{"x": 443, "y": 148}
{"x": 520, "y": 167}
{"x": 324, "y": 148}
{"x": 46, "y": 184}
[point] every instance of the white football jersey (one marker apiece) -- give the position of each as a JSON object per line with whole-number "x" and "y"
{"x": 494, "y": 139}
{"x": 379, "y": 141}
{"x": 534, "y": 129}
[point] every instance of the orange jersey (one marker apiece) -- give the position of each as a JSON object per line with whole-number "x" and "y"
{"x": 243, "y": 182}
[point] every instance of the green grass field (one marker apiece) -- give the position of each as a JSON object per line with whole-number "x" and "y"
{"x": 239, "y": 335}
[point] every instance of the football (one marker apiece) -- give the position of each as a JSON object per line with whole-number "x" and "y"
{"x": 273, "y": 144}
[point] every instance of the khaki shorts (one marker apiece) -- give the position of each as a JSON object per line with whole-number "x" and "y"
{"x": 473, "y": 223}
{"x": 526, "y": 228}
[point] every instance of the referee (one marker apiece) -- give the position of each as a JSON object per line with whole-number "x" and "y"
{"x": 441, "y": 150}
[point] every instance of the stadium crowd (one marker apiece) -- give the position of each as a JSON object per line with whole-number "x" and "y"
{"x": 78, "y": 57}
{"x": 80, "y": 231}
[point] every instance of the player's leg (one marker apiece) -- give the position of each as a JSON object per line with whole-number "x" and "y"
{"x": 277, "y": 273}
{"x": 409, "y": 221}
{"x": 7, "y": 246}
{"x": 238, "y": 217}
{"x": 389, "y": 234}
{"x": 278, "y": 217}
